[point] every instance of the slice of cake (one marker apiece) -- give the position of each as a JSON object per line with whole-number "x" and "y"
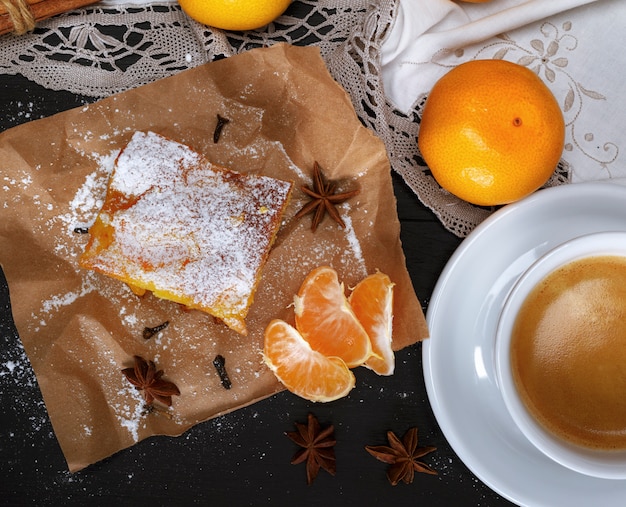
{"x": 185, "y": 229}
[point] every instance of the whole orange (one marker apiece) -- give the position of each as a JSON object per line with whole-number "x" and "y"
{"x": 491, "y": 132}
{"x": 234, "y": 14}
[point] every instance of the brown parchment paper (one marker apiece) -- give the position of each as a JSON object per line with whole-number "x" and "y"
{"x": 80, "y": 329}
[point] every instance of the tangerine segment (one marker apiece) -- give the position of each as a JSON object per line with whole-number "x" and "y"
{"x": 302, "y": 370}
{"x": 326, "y": 320}
{"x": 372, "y": 302}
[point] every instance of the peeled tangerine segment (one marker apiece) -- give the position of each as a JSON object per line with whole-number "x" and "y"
{"x": 302, "y": 370}
{"x": 372, "y": 303}
{"x": 326, "y": 320}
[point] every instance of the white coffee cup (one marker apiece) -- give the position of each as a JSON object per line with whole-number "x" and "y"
{"x": 608, "y": 464}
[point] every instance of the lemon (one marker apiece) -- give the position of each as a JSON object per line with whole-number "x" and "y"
{"x": 234, "y": 14}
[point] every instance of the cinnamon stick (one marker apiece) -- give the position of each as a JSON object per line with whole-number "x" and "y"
{"x": 40, "y": 9}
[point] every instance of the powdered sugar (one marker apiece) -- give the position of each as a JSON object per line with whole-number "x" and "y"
{"x": 197, "y": 233}
{"x": 57, "y": 301}
{"x": 90, "y": 196}
{"x": 354, "y": 242}
{"x": 15, "y": 369}
{"x": 130, "y": 416}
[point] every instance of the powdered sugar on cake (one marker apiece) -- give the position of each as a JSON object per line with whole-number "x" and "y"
{"x": 189, "y": 231}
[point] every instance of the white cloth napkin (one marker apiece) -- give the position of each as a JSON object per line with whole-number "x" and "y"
{"x": 578, "y": 48}
{"x": 426, "y": 30}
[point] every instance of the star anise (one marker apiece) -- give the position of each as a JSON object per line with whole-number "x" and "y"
{"x": 323, "y": 199}
{"x": 145, "y": 377}
{"x": 317, "y": 447}
{"x": 402, "y": 456}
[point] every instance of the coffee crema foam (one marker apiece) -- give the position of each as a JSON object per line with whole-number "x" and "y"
{"x": 568, "y": 352}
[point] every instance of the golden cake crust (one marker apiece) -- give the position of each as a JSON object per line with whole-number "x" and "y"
{"x": 185, "y": 229}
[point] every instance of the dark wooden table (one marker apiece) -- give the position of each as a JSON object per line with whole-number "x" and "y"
{"x": 242, "y": 458}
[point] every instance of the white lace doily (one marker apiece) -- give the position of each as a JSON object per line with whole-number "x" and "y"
{"x": 86, "y": 52}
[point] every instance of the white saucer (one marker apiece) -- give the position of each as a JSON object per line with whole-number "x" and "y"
{"x": 458, "y": 358}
